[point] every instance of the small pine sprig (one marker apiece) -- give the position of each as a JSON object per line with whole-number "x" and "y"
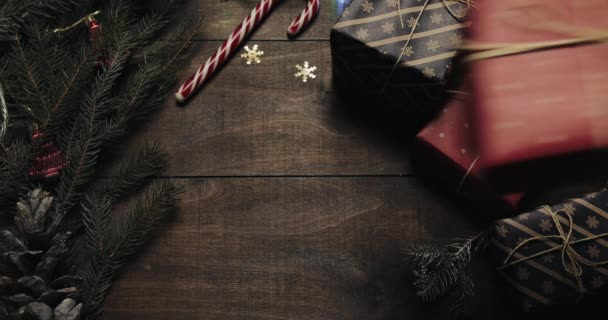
{"x": 442, "y": 270}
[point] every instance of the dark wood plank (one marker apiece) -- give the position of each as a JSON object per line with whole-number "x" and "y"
{"x": 261, "y": 120}
{"x": 222, "y": 16}
{"x": 291, "y": 248}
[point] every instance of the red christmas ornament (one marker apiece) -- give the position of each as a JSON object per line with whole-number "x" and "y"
{"x": 48, "y": 158}
{"x": 95, "y": 36}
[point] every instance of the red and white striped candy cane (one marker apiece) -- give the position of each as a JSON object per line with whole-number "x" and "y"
{"x": 212, "y": 65}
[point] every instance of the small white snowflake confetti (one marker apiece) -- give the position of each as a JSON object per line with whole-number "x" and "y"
{"x": 388, "y": 27}
{"x": 523, "y": 273}
{"x": 367, "y": 6}
{"x": 436, "y": 18}
{"x": 592, "y": 222}
{"x": 593, "y": 251}
{"x": 456, "y": 40}
{"x": 524, "y": 216}
{"x": 362, "y": 34}
{"x": 408, "y": 51}
{"x": 441, "y": 135}
{"x": 548, "y": 287}
{"x": 548, "y": 258}
{"x": 253, "y": 54}
{"x": 392, "y": 3}
{"x": 502, "y": 230}
{"x": 412, "y": 22}
{"x": 597, "y": 282}
{"x": 428, "y": 72}
{"x": 305, "y": 72}
{"x": 346, "y": 12}
{"x": 569, "y": 208}
{"x": 432, "y": 45}
{"x": 545, "y": 225}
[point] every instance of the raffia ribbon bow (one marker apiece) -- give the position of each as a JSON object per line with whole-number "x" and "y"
{"x": 571, "y": 260}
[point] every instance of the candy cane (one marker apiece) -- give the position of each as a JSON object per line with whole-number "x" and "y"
{"x": 229, "y": 46}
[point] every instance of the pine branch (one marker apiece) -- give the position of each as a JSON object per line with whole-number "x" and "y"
{"x": 128, "y": 235}
{"x": 442, "y": 270}
{"x": 148, "y": 162}
{"x": 85, "y": 148}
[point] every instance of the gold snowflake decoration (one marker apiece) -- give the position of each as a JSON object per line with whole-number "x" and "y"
{"x": 346, "y": 12}
{"x": 367, "y": 6}
{"x": 461, "y": 12}
{"x": 593, "y": 251}
{"x": 412, "y": 22}
{"x": 502, "y": 230}
{"x": 545, "y": 225}
{"x": 592, "y": 222}
{"x": 392, "y": 3}
{"x": 436, "y": 18}
{"x": 520, "y": 240}
{"x": 524, "y": 216}
{"x": 388, "y": 27}
{"x": 362, "y": 34}
{"x": 253, "y": 54}
{"x": 569, "y": 208}
{"x": 548, "y": 287}
{"x": 548, "y": 258}
{"x": 456, "y": 40}
{"x": 597, "y": 282}
{"x": 432, "y": 45}
{"x": 591, "y": 195}
{"x": 305, "y": 72}
{"x": 408, "y": 51}
{"x": 428, "y": 72}
{"x": 523, "y": 273}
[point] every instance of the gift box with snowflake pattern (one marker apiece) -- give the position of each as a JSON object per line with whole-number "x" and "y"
{"x": 555, "y": 255}
{"x": 397, "y": 53}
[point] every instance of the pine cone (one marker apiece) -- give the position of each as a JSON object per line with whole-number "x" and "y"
{"x": 32, "y": 286}
{"x": 32, "y": 212}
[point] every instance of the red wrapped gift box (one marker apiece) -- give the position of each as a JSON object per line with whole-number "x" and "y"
{"x": 445, "y": 151}
{"x": 541, "y": 115}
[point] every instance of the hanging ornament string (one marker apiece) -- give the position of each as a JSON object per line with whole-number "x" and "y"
{"x": 86, "y": 19}
{"x": 254, "y": 19}
{"x": 95, "y": 35}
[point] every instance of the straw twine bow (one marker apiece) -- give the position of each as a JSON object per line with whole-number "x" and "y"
{"x": 447, "y": 3}
{"x": 571, "y": 260}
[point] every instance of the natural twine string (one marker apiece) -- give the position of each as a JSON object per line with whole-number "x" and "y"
{"x": 86, "y": 19}
{"x": 4, "y": 114}
{"x": 571, "y": 260}
{"x": 470, "y": 4}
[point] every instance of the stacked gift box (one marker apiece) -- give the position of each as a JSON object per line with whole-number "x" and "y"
{"x": 525, "y": 109}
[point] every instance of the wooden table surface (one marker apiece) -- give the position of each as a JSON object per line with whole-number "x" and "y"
{"x": 296, "y": 207}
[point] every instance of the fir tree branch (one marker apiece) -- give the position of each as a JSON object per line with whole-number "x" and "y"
{"x": 124, "y": 241}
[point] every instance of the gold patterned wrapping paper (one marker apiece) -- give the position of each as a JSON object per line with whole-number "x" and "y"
{"x": 373, "y": 57}
{"x": 555, "y": 255}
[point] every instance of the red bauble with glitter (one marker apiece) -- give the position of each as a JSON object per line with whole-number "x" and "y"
{"x": 48, "y": 159}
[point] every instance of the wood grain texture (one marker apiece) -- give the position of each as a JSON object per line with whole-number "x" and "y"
{"x": 290, "y": 248}
{"x": 261, "y": 120}
{"x": 222, "y": 16}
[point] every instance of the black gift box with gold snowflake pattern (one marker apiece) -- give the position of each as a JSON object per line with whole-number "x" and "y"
{"x": 397, "y": 51}
{"x": 555, "y": 255}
